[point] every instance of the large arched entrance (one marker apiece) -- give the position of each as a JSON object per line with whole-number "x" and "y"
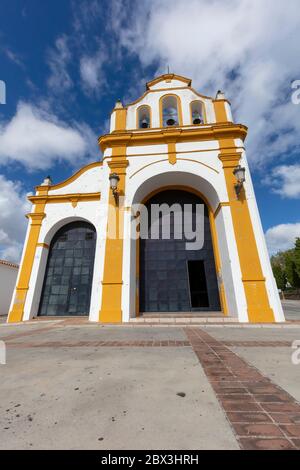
{"x": 172, "y": 277}
{"x": 69, "y": 271}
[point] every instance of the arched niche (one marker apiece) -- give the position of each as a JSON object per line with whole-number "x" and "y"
{"x": 144, "y": 117}
{"x": 196, "y": 112}
{"x": 68, "y": 277}
{"x": 170, "y": 111}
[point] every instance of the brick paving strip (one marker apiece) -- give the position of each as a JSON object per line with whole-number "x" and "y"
{"x": 262, "y": 415}
{"x": 36, "y": 331}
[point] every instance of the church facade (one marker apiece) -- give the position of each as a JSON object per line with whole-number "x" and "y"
{"x": 87, "y": 251}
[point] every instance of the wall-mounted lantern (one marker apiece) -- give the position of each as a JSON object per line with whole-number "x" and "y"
{"x": 113, "y": 181}
{"x": 239, "y": 173}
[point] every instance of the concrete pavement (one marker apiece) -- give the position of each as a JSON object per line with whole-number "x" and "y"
{"x": 91, "y": 397}
{"x": 291, "y": 309}
{"x": 87, "y": 386}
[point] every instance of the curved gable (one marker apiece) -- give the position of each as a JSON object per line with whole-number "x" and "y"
{"x": 86, "y": 180}
{"x": 167, "y": 80}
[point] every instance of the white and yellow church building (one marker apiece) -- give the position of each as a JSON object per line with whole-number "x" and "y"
{"x": 172, "y": 145}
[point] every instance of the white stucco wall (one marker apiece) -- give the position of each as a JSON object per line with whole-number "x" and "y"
{"x": 8, "y": 277}
{"x": 185, "y": 95}
{"x": 264, "y": 257}
{"x": 88, "y": 182}
{"x": 197, "y": 167}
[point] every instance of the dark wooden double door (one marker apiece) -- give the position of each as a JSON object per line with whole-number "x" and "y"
{"x": 69, "y": 271}
{"x": 172, "y": 278}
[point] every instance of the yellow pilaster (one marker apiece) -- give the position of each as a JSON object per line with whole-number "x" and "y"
{"x": 17, "y": 312}
{"x": 172, "y": 152}
{"x": 111, "y": 311}
{"x": 259, "y": 309}
{"x": 220, "y": 110}
{"x": 120, "y": 119}
{"x": 215, "y": 244}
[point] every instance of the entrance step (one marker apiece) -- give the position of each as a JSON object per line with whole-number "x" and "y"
{"x": 171, "y": 319}
{"x": 181, "y": 314}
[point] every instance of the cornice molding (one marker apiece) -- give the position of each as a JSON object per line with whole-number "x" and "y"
{"x": 213, "y": 132}
{"x": 36, "y": 217}
{"x": 113, "y": 164}
{"x": 70, "y": 179}
{"x": 230, "y": 159}
{"x": 64, "y": 198}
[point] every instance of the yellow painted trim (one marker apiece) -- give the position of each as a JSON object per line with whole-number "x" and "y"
{"x": 148, "y": 164}
{"x": 164, "y": 135}
{"x": 220, "y": 110}
{"x": 214, "y": 237}
{"x": 36, "y": 217}
{"x": 174, "y": 128}
{"x": 217, "y": 258}
{"x": 71, "y": 178}
{"x": 159, "y": 90}
{"x": 220, "y": 205}
{"x": 172, "y": 153}
{"x": 137, "y": 287}
{"x": 65, "y": 198}
{"x": 43, "y": 245}
{"x": 168, "y": 76}
{"x": 197, "y": 162}
{"x": 259, "y": 310}
{"x": 181, "y": 152}
{"x": 120, "y": 122}
{"x": 179, "y": 110}
{"x": 111, "y": 305}
{"x": 120, "y": 164}
{"x": 165, "y": 159}
{"x": 203, "y": 112}
{"x": 137, "y": 116}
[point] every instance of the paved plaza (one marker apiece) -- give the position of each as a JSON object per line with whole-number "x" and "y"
{"x": 70, "y": 384}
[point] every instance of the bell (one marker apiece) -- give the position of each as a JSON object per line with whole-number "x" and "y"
{"x": 197, "y": 120}
{"x": 170, "y": 122}
{"x": 145, "y": 124}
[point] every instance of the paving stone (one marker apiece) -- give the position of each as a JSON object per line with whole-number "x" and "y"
{"x": 266, "y": 444}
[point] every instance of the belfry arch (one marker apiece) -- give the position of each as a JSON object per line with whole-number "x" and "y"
{"x": 177, "y": 143}
{"x": 175, "y": 274}
{"x": 183, "y": 182}
{"x": 68, "y": 276}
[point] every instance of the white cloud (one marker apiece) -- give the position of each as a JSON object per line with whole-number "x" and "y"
{"x": 37, "y": 139}
{"x": 15, "y": 58}
{"x": 85, "y": 13}
{"x": 249, "y": 48}
{"x": 58, "y": 60}
{"x": 13, "y": 207}
{"x": 285, "y": 180}
{"x": 91, "y": 72}
{"x": 282, "y": 237}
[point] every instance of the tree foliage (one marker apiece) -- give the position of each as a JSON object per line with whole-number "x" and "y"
{"x": 280, "y": 276}
{"x": 286, "y": 267}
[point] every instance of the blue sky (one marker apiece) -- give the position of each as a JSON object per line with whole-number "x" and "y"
{"x": 65, "y": 63}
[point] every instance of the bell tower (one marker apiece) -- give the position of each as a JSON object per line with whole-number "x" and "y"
{"x": 83, "y": 254}
{"x": 174, "y": 137}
